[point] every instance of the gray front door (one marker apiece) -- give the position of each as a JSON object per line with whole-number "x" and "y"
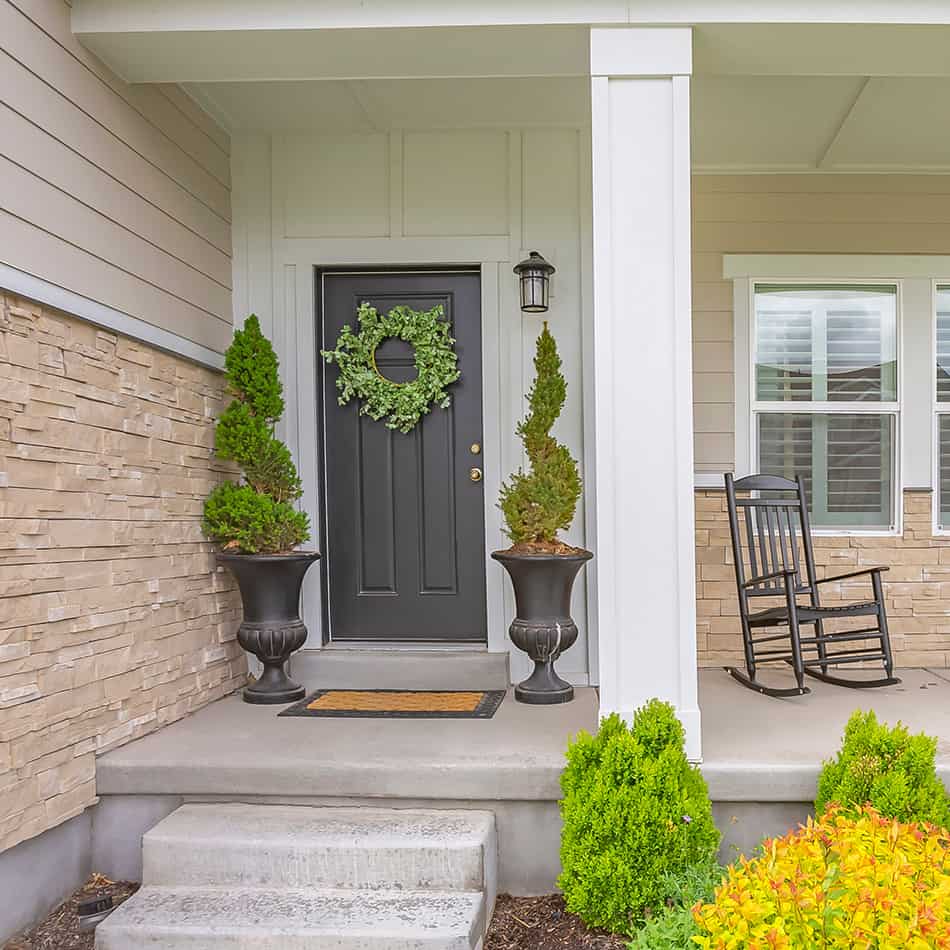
{"x": 404, "y": 531}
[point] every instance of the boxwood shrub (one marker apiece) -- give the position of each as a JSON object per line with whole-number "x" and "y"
{"x": 636, "y": 814}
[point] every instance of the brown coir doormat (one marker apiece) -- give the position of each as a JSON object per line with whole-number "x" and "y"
{"x": 399, "y": 704}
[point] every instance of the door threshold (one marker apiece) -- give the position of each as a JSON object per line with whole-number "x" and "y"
{"x": 403, "y": 668}
{"x": 415, "y": 646}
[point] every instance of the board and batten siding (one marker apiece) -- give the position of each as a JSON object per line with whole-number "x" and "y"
{"x": 118, "y": 193}
{"x": 427, "y": 196}
{"x": 789, "y": 214}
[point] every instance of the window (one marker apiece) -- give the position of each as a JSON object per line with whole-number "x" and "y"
{"x": 825, "y": 396}
{"x": 943, "y": 406}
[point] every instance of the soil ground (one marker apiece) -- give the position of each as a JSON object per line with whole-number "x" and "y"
{"x": 519, "y": 923}
{"x": 542, "y": 923}
{"x": 60, "y": 930}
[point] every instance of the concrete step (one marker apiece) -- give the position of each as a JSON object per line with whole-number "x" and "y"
{"x": 166, "y": 918}
{"x": 338, "y": 668}
{"x": 229, "y": 843}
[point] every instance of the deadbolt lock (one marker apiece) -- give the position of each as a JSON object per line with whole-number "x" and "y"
{"x": 475, "y": 474}
{"x": 476, "y": 448}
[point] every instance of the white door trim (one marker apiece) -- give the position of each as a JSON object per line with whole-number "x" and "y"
{"x": 296, "y": 266}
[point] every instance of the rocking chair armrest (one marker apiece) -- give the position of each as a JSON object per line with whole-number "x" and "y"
{"x": 774, "y": 575}
{"x": 850, "y": 574}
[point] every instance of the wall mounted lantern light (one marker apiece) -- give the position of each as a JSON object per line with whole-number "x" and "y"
{"x": 534, "y": 272}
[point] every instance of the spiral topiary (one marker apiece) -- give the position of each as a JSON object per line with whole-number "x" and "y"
{"x": 256, "y": 517}
{"x": 539, "y": 503}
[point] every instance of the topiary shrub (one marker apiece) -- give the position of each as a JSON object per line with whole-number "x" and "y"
{"x": 844, "y": 881}
{"x": 538, "y": 504}
{"x": 256, "y": 517}
{"x": 888, "y": 768}
{"x": 635, "y": 814}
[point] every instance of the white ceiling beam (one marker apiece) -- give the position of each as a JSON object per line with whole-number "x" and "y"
{"x": 223, "y": 55}
{"x": 108, "y": 16}
{"x": 831, "y": 49}
{"x": 281, "y": 55}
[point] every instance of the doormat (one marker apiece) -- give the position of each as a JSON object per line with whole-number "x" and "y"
{"x": 399, "y": 704}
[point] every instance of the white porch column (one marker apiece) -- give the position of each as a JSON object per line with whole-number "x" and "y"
{"x": 646, "y": 597}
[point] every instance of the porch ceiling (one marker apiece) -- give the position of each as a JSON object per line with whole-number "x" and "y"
{"x": 767, "y": 96}
{"x": 740, "y": 123}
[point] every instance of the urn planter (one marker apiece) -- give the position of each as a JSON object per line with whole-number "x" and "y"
{"x": 543, "y": 626}
{"x": 271, "y": 629}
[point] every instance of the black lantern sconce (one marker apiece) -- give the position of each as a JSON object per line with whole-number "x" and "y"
{"x": 534, "y": 273}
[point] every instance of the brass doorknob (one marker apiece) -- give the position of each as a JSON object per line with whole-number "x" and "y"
{"x": 475, "y": 474}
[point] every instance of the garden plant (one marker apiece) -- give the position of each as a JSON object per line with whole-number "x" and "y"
{"x": 637, "y": 821}
{"x": 851, "y": 879}
{"x": 888, "y": 768}
{"x": 672, "y": 926}
{"x": 539, "y": 503}
{"x": 258, "y": 515}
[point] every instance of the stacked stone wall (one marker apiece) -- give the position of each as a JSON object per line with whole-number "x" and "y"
{"x": 916, "y": 586}
{"x": 113, "y": 619}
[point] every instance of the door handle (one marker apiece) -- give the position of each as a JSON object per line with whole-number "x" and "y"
{"x": 475, "y": 474}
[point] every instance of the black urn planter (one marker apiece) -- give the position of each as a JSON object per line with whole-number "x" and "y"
{"x": 271, "y": 628}
{"x": 543, "y": 627}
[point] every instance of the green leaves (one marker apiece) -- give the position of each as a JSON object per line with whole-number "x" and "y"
{"x": 251, "y": 368}
{"x": 256, "y": 517}
{"x": 538, "y": 504}
{"x": 249, "y": 522}
{"x": 403, "y": 404}
{"x": 637, "y": 817}
{"x": 888, "y": 768}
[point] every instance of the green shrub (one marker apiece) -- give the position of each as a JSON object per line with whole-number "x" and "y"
{"x": 671, "y": 929}
{"x": 256, "y": 517}
{"x": 253, "y": 522}
{"x": 887, "y": 768}
{"x": 673, "y": 926}
{"x": 636, "y": 816}
{"x": 542, "y": 502}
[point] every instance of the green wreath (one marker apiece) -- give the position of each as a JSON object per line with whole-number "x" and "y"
{"x": 404, "y": 403}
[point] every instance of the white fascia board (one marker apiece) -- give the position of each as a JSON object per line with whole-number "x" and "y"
{"x": 834, "y": 266}
{"x": 19, "y": 282}
{"x": 641, "y": 51}
{"x": 129, "y": 16}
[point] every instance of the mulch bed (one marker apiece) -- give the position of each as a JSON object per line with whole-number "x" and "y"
{"x": 60, "y": 930}
{"x": 519, "y": 923}
{"x": 543, "y": 923}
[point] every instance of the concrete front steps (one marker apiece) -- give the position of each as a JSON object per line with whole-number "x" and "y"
{"x": 229, "y": 876}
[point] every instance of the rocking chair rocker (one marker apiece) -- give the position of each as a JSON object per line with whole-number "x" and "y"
{"x": 772, "y": 551}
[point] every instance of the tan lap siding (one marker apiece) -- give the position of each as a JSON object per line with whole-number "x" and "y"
{"x": 789, "y": 214}
{"x": 113, "y": 621}
{"x": 121, "y": 194}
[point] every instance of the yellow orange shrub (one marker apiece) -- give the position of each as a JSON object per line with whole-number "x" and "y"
{"x": 858, "y": 882}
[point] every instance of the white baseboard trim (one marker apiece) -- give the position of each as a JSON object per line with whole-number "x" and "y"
{"x": 19, "y": 282}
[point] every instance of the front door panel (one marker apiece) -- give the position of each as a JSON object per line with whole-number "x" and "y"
{"x": 404, "y": 555}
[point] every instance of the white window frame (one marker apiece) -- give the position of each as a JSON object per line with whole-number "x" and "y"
{"x": 914, "y": 276}
{"x": 938, "y": 409}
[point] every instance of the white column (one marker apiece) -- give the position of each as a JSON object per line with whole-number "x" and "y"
{"x": 645, "y": 578}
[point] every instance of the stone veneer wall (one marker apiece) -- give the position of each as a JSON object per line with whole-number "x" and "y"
{"x": 917, "y": 586}
{"x": 113, "y": 621}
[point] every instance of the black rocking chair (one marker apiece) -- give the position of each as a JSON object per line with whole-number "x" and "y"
{"x": 773, "y": 515}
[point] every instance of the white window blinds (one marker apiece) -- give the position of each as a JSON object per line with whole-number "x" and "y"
{"x": 825, "y": 401}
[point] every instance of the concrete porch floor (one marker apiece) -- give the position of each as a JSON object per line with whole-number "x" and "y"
{"x": 761, "y": 758}
{"x": 754, "y": 748}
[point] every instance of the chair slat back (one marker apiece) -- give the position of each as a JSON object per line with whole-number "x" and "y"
{"x": 772, "y": 533}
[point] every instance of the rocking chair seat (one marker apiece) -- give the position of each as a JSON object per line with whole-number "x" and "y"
{"x": 775, "y": 616}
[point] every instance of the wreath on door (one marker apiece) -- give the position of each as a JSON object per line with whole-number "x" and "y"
{"x": 404, "y": 404}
